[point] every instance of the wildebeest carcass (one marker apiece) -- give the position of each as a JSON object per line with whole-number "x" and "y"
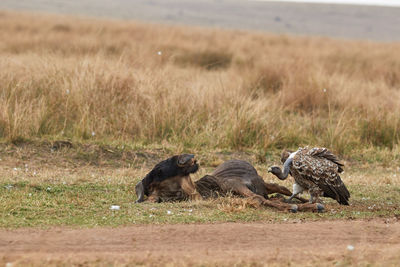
{"x": 170, "y": 181}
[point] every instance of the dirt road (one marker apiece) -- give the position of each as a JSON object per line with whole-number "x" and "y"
{"x": 375, "y": 241}
{"x": 344, "y": 21}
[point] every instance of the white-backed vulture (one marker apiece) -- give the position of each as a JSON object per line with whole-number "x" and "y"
{"x": 316, "y": 170}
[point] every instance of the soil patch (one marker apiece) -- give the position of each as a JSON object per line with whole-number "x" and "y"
{"x": 328, "y": 242}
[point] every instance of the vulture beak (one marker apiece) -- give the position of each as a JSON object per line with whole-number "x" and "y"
{"x": 269, "y": 169}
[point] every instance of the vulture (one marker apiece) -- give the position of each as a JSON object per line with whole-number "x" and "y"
{"x": 316, "y": 170}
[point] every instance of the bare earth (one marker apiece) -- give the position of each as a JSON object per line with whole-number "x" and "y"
{"x": 376, "y": 241}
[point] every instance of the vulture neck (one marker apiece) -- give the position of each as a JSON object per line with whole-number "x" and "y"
{"x": 286, "y": 167}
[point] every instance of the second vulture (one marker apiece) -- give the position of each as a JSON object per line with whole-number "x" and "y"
{"x": 316, "y": 170}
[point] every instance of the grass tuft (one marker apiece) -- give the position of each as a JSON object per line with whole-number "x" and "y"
{"x": 209, "y": 60}
{"x": 92, "y": 80}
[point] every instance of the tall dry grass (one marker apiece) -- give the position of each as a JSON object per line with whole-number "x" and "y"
{"x": 118, "y": 80}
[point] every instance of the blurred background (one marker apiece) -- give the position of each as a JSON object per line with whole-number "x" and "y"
{"x": 356, "y": 19}
{"x": 258, "y": 75}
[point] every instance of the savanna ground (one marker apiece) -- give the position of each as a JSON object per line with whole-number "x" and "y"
{"x": 126, "y": 95}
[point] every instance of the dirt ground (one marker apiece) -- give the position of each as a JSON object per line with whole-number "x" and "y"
{"x": 311, "y": 243}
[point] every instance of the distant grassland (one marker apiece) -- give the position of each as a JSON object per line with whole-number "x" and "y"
{"x": 119, "y": 81}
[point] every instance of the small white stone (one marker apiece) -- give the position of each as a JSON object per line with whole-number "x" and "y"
{"x": 9, "y": 264}
{"x": 115, "y": 207}
{"x": 67, "y": 91}
{"x": 93, "y": 133}
{"x": 151, "y": 215}
{"x": 159, "y": 53}
{"x": 190, "y": 210}
{"x": 350, "y": 247}
{"x": 48, "y": 188}
{"x": 169, "y": 212}
{"x": 324, "y": 90}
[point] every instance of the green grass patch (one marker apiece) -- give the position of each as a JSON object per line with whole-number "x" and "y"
{"x": 26, "y": 204}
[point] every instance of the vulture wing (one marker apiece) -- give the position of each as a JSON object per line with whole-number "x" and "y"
{"x": 321, "y": 167}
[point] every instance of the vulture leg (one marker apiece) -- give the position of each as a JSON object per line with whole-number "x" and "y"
{"x": 275, "y": 188}
{"x": 297, "y": 189}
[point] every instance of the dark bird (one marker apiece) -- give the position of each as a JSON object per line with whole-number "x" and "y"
{"x": 316, "y": 170}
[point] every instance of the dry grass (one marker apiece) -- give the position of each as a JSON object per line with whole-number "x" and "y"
{"x": 64, "y": 77}
{"x": 128, "y": 95}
